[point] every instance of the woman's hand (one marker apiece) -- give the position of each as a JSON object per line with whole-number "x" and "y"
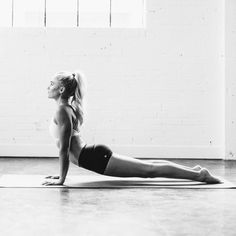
{"x": 49, "y": 183}
{"x": 52, "y": 177}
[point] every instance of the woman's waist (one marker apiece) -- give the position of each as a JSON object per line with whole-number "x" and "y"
{"x": 76, "y": 146}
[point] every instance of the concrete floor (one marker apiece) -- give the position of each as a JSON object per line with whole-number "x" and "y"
{"x": 115, "y": 211}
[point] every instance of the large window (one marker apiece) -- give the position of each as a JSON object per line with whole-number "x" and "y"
{"x": 73, "y": 13}
{"x": 27, "y": 13}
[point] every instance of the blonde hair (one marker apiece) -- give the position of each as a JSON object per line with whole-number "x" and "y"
{"x": 74, "y": 84}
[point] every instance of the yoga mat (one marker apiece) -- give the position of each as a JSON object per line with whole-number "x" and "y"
{"x": 103, "y": 182}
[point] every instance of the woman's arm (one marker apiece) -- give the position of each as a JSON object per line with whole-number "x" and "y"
{"x": 65, "y": 129}
{"x": 64, "y": 124}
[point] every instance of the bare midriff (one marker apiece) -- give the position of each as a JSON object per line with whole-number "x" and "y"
{"x": 76, "y": 146}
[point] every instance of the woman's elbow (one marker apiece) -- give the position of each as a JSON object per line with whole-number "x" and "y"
{"x": 64, "y": 152}
{"x": 64, "y": 148}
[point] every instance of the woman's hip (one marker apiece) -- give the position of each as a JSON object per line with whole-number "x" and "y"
{"x": 95, "y": 157}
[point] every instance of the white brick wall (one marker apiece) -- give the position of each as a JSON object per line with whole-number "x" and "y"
{"x": 230, "y": 85}
{"x": 154, "y": 92}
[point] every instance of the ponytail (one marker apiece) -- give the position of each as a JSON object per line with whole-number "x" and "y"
{"x": 77, "y": 97}
{"x": 74, "y": 90}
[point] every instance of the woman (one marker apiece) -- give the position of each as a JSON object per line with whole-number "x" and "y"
{"x": 67, "y": 89}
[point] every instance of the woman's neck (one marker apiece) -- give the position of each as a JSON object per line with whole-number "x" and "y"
{"x": 62, "y": 101}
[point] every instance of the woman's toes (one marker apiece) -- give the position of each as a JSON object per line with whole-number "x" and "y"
{"x": 205, "y": 176}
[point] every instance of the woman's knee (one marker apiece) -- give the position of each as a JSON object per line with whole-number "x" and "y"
{"x": 157, "y": 170}
{"x": 149, "y": 171}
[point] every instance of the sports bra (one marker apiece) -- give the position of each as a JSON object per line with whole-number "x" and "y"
{"x": 54, "y": 131}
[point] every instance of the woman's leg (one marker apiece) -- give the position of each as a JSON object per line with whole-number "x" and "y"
{"x": 123, "y": 166}
{"x": 197, "y": 167}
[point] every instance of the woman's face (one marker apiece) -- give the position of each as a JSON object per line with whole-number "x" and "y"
{"x": 54, "y": 88}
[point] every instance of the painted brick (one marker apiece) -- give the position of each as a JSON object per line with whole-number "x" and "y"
{"x": 153, "y": 92}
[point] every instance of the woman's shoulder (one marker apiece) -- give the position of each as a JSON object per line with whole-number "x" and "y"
{"x": 62, "y": 111}
{"x": 64, "y": 114}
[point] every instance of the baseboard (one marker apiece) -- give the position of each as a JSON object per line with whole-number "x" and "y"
{"x": 139, "y": 151}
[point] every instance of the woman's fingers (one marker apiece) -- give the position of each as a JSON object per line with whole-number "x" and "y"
{"x": 48, "y": 177}
{"x": 52, "y": 177}
{"x": 56, "y": 177}
{"x": 47, "y": 183}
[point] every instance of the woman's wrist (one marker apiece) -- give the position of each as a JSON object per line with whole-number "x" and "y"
{"x": 61, "y": 180}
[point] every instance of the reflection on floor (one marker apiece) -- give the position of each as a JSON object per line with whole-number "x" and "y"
{"x": 115, "y": 211}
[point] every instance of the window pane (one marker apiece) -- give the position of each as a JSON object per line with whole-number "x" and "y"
{"x": 61, "y": 13}
{"x": 28, "y": 13}
{"x": 127, "y": 13}
{"x": 6, "y": 13}
{"x": 94, "y": 13}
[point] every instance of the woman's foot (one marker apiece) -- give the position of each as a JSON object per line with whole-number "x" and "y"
{"x": 205, "y": 176}
{"x": 197, "y": 168}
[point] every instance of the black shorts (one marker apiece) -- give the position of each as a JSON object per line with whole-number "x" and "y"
{"x": 95, "y": 158}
